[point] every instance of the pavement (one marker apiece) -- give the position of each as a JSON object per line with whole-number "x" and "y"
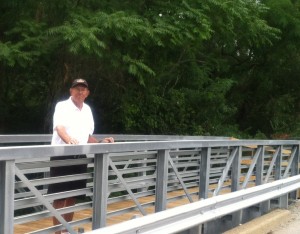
{"x": 292, "y": 226}
{"x": 278, "y": 221}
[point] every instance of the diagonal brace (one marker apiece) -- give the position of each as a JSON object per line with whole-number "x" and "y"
{"x": 225, "y": 171}
{"x": 276, "y": 153}
{"x": 287, "y": 169}
{"x": 180, "y": 178}
{"x": 253, "y": 163}
{"x": 119, "y": 175}
{"x": 44, "y": 201}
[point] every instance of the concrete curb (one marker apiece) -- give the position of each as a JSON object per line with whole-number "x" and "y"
{"x": 263, "y": 224}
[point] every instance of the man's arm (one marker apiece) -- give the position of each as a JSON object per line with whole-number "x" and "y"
{"x": 92, "y": 139}
{"x": 61, "y": 131}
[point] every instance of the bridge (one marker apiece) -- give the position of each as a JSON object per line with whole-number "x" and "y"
{"x": 147, "y": 183}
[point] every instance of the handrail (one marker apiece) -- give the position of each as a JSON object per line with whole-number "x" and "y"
{"x": 38, "y": 138}
{"x": 28, "y": 152}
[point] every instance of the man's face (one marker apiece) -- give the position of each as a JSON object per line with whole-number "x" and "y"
{"x": 79, "y": 93}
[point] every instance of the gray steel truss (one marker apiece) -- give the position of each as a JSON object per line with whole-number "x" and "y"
{"x": 165, "y": 169}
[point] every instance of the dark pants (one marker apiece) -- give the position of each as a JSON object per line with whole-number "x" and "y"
{"x": 67, "y": 170}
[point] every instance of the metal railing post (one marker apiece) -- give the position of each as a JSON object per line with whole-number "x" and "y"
{"x": 161, "y": 180}
{"x": 235, "y": 186}
{"x": 236, "y": 170}
{"x": 204, "y": 172}
{"x": 204, "y": 181}
{"x": 283, "y": 200}
{"x": 256, "y": 210}
{"x": 100, "y": 190}
{"x": 278, "y": 164}
{"x": 295, "y": 169}
{"x": 260, "y": 166}
{"x": 7, "y": 175}
{"x": 264, "y": 206}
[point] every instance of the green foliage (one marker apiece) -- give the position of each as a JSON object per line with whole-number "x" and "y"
{"x": 79, "y": 35}
{"x": 26, "y": 44}
{"x": 135, "y": 68}
{"x": 155, "y": 67}
{"x": 267, "y": 96}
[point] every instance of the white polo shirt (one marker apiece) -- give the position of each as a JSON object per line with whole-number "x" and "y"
{"x": 79, "y": 124}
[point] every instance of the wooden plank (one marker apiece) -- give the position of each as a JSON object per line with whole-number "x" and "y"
{"x": 47, "y": 222}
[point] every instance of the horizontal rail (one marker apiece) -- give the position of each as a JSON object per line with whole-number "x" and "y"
{"x": 37, "y": 138}
{"x": 187, "y": 216}
{"x": 28, "y": 152}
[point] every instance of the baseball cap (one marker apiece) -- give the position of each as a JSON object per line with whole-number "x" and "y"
{"x": 79, "y": 82}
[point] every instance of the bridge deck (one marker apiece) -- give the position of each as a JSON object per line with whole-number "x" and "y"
{"x": 47, "y": 222}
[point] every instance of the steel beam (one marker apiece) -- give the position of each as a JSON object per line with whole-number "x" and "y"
{"x": 161, "y": 180}
{"x": 100, "y": 190}
{"x": 7, "y": 175}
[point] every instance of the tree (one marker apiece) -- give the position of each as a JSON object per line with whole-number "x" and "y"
{"x": 267, "y": 96}
{"x": 157, "y": 67}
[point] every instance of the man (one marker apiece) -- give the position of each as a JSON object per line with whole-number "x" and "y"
{"x": 73, "y": 123}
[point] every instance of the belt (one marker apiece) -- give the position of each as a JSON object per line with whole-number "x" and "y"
{"x": 79, "y": 156}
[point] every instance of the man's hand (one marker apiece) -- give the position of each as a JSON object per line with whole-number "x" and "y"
{"x": 93, "y": 139}
{"x": 73, "y": 141}
{"x": 108, "y": 140}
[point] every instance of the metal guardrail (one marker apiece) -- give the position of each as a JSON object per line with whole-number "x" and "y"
{"x": 189, "y": 216}
{"x": 129, "y": 171}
